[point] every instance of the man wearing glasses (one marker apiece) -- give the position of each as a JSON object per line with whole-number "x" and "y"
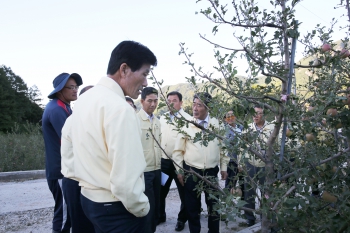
{"x": 55, "y": 114}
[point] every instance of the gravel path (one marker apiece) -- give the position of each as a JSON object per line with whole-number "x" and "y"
{"x": 28, "y": 207}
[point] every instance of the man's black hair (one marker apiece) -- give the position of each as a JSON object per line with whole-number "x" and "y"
{"x": 258, "y": 106}
{"x": 127, "y": 98}
{"x": 204, "y": 97}
{"x": 147, "y": 91}
{"x": 175, "y": 93}
{"x": 134, "y": 54}
{"x": 85, "y": 89}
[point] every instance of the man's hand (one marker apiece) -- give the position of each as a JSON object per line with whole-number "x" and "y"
{"x": 224, "y": 175}
{"x": 181, "y": 179}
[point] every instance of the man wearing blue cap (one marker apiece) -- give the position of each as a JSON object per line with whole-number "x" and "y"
{"x": 55, "y": 114}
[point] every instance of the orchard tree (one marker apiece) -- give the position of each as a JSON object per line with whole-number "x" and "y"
{"x": 306, "y": 186}
{"x": 18, "y": 103}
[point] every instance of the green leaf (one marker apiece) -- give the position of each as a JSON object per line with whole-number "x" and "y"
{"x": 268, "y": 80}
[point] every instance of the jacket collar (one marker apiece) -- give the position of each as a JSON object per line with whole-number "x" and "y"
{"x": 208, "y": 119}
{"x": 144, "y": 115}
{"x": 111, "y": 84}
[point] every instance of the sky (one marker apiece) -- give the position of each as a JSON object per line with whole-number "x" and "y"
{"x": 40, "y": 39}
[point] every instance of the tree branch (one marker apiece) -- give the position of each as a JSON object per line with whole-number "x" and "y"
{"x": 243, "y": 25}
{"x": 285, "y": 195}
{"x": 273, "y": 75}
{"x": 224, "y": 88}
{"x": 321, "y": 162}
{"x": 217, "y": 45}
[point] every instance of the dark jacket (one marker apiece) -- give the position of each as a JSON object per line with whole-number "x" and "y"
{"x": 54, "y": 117}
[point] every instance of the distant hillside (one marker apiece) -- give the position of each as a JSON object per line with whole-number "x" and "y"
{"x": 187, "y": 90}
{"x": 302, "y": 74}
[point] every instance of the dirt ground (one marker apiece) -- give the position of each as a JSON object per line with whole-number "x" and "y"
{"x": 28, "y": 207}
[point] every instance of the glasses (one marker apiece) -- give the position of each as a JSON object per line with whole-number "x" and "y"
{"x": 72, "y": 88}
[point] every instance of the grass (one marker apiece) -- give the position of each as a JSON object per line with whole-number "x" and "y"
{"x": 22, "y": 149}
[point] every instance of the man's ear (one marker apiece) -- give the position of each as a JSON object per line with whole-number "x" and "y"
{"x": 142, "y": 101}
{"x": 124, "y": 68}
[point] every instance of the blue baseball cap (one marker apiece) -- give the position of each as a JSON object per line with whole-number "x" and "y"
{"x": 60, "y": 81}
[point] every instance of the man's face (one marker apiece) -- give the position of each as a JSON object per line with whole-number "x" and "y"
{"x": 230, "y": 118}
{"x": 200, "y": 112}
{"x": 173, "y": 101}
{"x": 67, "y": 94}
{"x": 135, "y": 81}
{"x": 258, "y": 118}
{"x": 150, "y": 103}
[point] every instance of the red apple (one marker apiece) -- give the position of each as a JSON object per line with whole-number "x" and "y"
{"x": 338, "y": 125}
{"x": 332, "y": 112}
{"x": 309, "y": 137}
{"x": 344, "y": 53}
{"x": 310, "y": 108}
{"x": 328, "y": 197}
{"x": 326, "y": 47}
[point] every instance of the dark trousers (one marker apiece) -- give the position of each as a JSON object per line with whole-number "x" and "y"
{"x": 111, "y": 217}
{"x": 61, "y": 221}
{"x": 152, "y": 191}
{"x": 71, "y": 193}
{"x": 233, "y": 177}
{"x": 249, "y": 190}
{"x": 193, "y": 201}
{"x": 169, "y": 169}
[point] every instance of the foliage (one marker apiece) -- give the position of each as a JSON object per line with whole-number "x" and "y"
{"x": 306, "y": 178}
{"x": 18, "y": 103}
{"x": 22, "y": 149}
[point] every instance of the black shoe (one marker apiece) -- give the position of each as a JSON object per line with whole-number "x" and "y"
{"x": 250, "y": 222}
{"x": 179, "y": 226}
{"x": 247, "y": 223}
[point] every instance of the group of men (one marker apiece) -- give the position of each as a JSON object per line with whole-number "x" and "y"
{"x": 105, "y": 162}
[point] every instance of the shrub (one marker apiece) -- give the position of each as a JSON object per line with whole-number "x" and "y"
{"x": 22, "y": 149}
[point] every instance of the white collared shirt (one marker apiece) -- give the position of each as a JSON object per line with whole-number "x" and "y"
{"x": 206, "y": 120}
{"x": 172, "y": 116}
{"x": 150, "y": 118}
{"x": 260, "y": 128}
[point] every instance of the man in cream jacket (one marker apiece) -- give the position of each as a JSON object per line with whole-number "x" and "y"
{"x": 253, "y": 164}
{"x": 152, "y": 152}
{"x": 108, "y": 155}
{"x": 71, "y": 188}
{"x": 203, "y": 160}
{"x": 169, "y": 135}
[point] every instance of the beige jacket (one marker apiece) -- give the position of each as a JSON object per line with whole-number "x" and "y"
{"x": 151, "y": 149}
{"x": 197, "y": 155}
{"x": 169, "y": 132}
{"x": 67, "y": 159}
{"x": 259, "y": 145}
{"x": 108, "y": 155}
